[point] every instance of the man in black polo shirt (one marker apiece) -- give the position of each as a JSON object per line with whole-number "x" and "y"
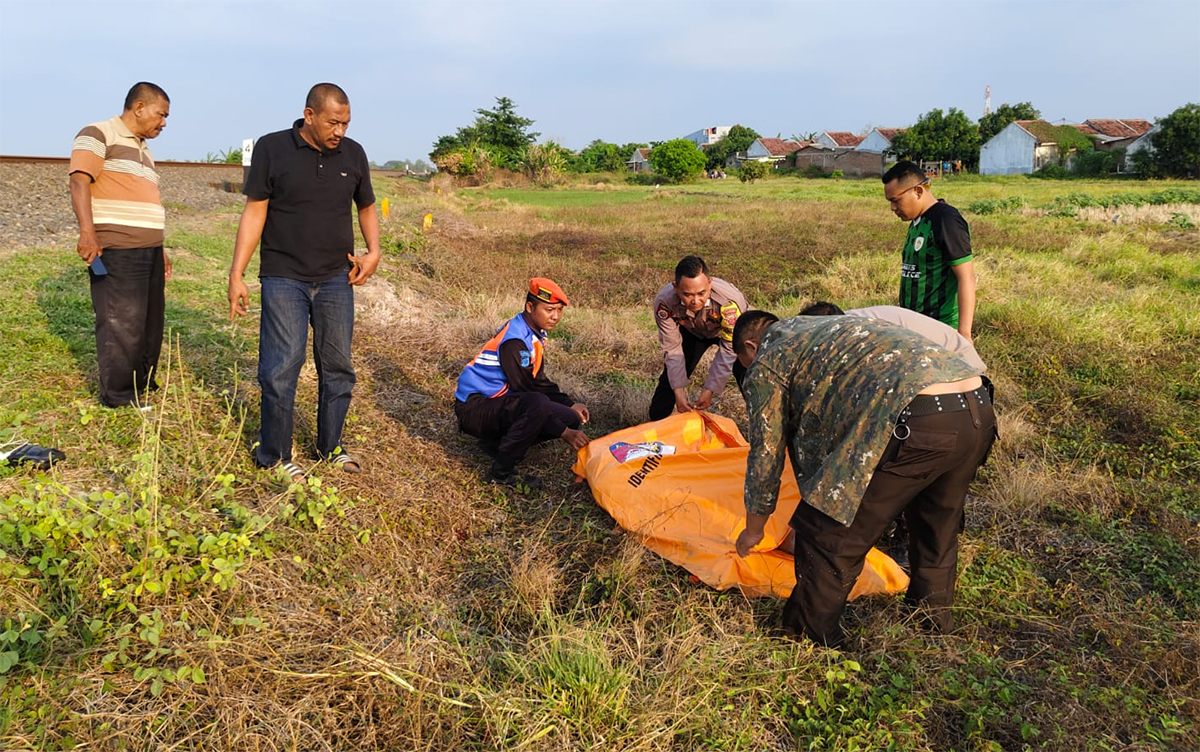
{"x": 298, "y": 196}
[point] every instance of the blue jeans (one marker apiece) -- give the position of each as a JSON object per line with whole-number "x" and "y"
{"x": 289, "y": 306}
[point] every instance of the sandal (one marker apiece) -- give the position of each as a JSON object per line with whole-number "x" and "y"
{"x": 347, "y": 463}
{"x": 39, "y": 457}
{"x": 293, "y": 471}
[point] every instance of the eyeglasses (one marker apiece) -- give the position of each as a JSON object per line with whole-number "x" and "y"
{"x": 896, "y": 198}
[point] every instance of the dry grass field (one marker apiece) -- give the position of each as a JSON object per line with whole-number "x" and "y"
{"x": 159, "y": 593}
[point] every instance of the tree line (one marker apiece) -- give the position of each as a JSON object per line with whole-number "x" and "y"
{"x": 941, "y": 137}
{"x": 499, "y": 138}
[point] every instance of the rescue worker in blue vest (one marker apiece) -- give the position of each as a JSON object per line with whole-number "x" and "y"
{"x": 504, "y": 397}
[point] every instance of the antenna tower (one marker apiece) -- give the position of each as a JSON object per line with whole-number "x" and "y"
{"x": 987, "y": 101}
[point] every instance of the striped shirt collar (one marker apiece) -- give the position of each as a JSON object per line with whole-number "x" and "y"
{"x": 123, "y": 130}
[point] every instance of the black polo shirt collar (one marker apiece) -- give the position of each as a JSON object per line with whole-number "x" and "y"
{"x": 302, "y": 144}
{"x": 309, "y": 228}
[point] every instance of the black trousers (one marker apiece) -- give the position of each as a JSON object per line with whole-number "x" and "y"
{"x": 515, "y": 421}
{"x": 925, "y": 478}
{"x": 129, "y": 304}
{"x": 662, "y": 403}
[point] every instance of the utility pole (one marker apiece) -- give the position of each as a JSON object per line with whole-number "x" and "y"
{"x": 987, "y": 101}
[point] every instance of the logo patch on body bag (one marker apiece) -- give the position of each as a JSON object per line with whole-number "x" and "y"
{"x": 624, "y": 452}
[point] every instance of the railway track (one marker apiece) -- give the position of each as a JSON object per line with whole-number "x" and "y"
{"x": 13, "y": 159}
{"x": 10, "y": 159}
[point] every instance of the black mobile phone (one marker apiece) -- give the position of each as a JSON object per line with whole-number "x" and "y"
{"x": 97, "y": 267}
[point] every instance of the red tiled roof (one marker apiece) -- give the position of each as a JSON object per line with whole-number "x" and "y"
{"x": 890, "y": 133}
{"x": 645, "y": 153}
{"x": 1114, "y": 128}
{"x": 777, "y": 147}
{"x": 844, "y": 138}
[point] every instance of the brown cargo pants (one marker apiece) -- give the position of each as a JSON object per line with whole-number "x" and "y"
{"x": 936, "y": 447}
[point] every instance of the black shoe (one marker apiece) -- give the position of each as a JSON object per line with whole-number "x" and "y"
{"x": 512, "y": 479}
{"x": 490, "y": 447}
{"x": 895, "y": 543}
{"x": 899, "y": 553}
{"x": 32, "y": 454}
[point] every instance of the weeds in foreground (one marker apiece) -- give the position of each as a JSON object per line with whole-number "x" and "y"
{"x": 158, "y": 590}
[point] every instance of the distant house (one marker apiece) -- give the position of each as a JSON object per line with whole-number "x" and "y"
{"x": 1142, "y": 143}
{"x": 1110, "y": 133}
{"x": 773, "y": 150}
{"x": 879, "y": 139}
{"x": 640, "y": 161}
{"x": 852, "y": 162}
{"x": 708, "y": 136}
{"x": 839, "y": 139}
{"x": 1020, "y": 148}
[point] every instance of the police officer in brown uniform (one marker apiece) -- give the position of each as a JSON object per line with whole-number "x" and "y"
{"x": 694, "y": 313}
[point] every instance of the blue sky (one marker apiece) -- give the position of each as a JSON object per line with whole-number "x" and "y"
{"x": 583, "y": 69}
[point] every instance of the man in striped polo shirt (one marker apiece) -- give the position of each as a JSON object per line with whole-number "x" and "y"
{"x": 937, "y": 276}
{"x": 114, "y": 192}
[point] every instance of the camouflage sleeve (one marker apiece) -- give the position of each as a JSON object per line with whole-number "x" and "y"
{"x": 671, "y": 342}
{"x": 768, "y": 441}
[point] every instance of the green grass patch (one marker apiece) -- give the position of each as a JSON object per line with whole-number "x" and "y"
{"x": 158, "y": 574}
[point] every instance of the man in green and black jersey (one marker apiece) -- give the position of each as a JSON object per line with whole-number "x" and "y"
{"x": 937, "y": 277}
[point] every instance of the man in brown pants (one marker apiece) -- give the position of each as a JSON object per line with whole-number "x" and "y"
{"x": 879, "y": 421}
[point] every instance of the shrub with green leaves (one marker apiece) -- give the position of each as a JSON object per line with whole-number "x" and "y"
{"x": 678, "y": 160}
{"x": 752, "y": 170}
{"x": 544, "y": 163}
{"x": 1008, "y": 205}
{"x": 1070, "y": 204}
{"x": 1051, "y": 171}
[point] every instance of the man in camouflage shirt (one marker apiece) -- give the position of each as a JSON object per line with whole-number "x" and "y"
{"x": 878, "y": 421}
{"x": 693, "y": 313}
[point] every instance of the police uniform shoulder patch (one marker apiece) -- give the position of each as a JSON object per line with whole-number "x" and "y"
{"x": 663, "y": 311}
{"x": 729, "y": 316}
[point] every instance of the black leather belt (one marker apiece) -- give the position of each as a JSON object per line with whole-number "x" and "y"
{"x": 931, "y": 404}
{"x": 934, "y": 404}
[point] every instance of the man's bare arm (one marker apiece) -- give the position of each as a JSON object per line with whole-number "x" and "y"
{"x": 364, "y": 266}
{"x": 81, "y": 201}
{"x": 965, "y": 273}
{"x": 249, "y": 232}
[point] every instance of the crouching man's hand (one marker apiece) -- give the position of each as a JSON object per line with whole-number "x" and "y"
{"x": 752, "y": 535}
{"x": 576, "y": 438}
{"x": 582, "y": 411}
{"x": 681, "y": 401}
